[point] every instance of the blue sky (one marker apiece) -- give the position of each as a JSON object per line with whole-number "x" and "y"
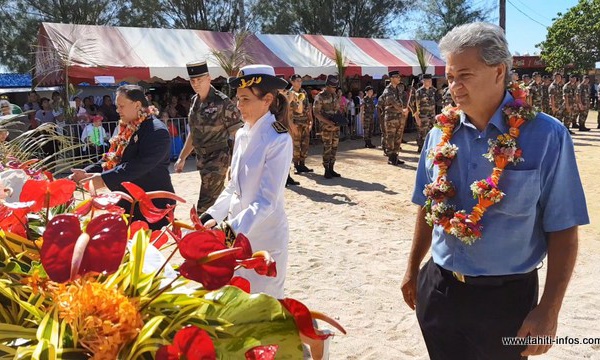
{"x": 524, "y": 19}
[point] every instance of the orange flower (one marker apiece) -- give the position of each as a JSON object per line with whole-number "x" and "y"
{"x": 496, "y": 173}
{"x": 104, "y": 319}
{"x": 501, "y": 161}
{"x": 515, "y": 121}
{"x": 514, "y": 132}
{"x": 477, "y": 213}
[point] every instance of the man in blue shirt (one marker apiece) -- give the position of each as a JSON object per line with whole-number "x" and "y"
{"x": 468, "y": 297}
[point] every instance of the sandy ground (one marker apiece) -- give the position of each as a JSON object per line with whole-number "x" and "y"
{"x": 349, "y": 243}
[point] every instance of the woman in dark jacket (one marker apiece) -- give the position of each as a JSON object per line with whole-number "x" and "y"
{"x": 138, "y": 154}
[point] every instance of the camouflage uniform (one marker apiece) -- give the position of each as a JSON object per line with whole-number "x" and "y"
{"x": 425, "y": 101}
{"x": 327, "y": 104}
{"x": 583, "y": 91}
{"x": 546, "y": 99}
{"x": 556, "y": 96}
{"x": 571, "y": 110}
{"x": 536, "y": 95}
{"x": 300, "y": 119}
{"x": 381, "y": 112}
{"x": 447, "y": 98}
{"x": 369, "y": 113}
{"x": 391, "y": 100}
{"x": 212, "y": 123}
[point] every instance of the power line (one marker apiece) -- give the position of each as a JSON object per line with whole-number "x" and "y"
{"x": 533, "y": 11}
{"x": 529, "y": 17}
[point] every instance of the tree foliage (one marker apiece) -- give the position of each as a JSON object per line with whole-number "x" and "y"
{"x": 360, "y": 18}
{"x": 574, "y": 38}
{"x": 215, "y": 15}
{"x": 21, "y": 19}
{"x": 440, "y": 16}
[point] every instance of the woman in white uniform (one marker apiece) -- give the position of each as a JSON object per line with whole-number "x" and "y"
{"x": 253, "y": 201}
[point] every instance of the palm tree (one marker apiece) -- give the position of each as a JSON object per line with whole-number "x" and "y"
{"x": 238, "y": 55}
{"x": 424, "y": 57}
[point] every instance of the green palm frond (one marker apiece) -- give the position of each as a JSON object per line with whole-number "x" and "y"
{"x": 238, "y": 55}
{"x": 424, "y": 57}
{"x": 340, "y": 63}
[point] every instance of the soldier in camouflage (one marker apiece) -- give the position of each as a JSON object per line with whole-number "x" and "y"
{"x": 535, "y": 96}
{"x": 546, "y": 81}
{"x": 557, "y": 100}
{"x": 325, "y": 106}
{"x": 583, "y": 102}
{"x": 302, "y": 121}
{"x": 392, "y": 103}
{"x": 369, "y": 114}
{"x": 425, "y": 105}
{"x": 213, "y": 120}
{"x": 570, "y": 95}
{"x": 381, "y": 112}
{"x": 447, "y": 97}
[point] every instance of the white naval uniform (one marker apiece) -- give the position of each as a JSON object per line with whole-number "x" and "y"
{"x": 253, "y": 201}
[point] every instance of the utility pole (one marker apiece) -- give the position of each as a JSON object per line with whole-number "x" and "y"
{"x": 503, "y": 14}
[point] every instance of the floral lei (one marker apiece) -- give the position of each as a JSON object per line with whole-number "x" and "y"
{"x": 119, "y": 142}
{"x": 502, "y": 152}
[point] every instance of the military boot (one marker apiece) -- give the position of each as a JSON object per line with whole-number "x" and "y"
{"x": 304, "y": 168}
{"x": 291, "y": 181}
{"x": 297, "y": 167}
{"x": 333, "y": 173}
{"x": 327, "y": 174}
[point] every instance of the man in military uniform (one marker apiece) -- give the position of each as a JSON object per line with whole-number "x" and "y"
{"x": 326, "y": 108}
{"x": 369, "y": 114}
{"x": 546, "y": 81}
{"x": 394, "y": 112}
{"x": 534, "y": 98}
{"x": 569, "y": 95}
{"x": 381, "y": 112}
{"x": 557, "y": 100}
{"x": 526, "y": 80}
{"x": 583, "y": 102}
{"x": 514, "y": 77}
{"x": 425, "y": 104}
{"x": 213, "y": 120}
{"x": 302, "y": 121}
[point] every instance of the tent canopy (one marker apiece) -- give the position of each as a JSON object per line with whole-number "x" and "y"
{"x": 154, "y": 55}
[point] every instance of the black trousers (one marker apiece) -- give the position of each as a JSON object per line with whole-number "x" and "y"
{"x": 467, "y": 322}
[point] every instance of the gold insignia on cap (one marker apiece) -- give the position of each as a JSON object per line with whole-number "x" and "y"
{"x": 279, "y": 127}
{"x": 252, "y": 81}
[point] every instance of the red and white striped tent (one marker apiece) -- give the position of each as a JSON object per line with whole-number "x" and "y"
{"x": 154, "y": 55}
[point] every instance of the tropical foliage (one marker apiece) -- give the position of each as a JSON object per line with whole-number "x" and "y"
{"x": 79, "y": 280}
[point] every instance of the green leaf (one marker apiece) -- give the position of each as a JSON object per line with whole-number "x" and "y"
{"x": 145, "y": 337}
{"x": 49, "y": 328}
{"x": 13, "y": 332}
{"x": 44, "y": 351}
{"x": 256, "y": 319}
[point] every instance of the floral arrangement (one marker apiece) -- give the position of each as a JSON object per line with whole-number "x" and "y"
{"x": 502, "y": 152}
{"x": 79, "y": 281}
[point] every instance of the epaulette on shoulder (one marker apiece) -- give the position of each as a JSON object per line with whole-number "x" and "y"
{"x": 279, "y": 127}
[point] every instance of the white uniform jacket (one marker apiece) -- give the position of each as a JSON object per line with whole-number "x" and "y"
{"x": 253, "y": 201}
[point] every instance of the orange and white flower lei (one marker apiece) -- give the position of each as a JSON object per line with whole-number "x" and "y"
{"x": 502, "y": 151}
{"x": 119, "y": 142}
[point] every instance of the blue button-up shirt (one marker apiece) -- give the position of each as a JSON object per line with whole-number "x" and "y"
{"x": 543, "y": 194}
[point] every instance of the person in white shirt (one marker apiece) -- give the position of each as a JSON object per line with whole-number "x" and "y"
{"x": 94, "y": 137}
{"x": 253, "y": 201}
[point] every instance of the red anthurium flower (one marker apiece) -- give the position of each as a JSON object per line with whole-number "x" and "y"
{"x": 303, "y": 319}
{"x": 136, "y": 226}
{"x": 242, "y": 242}
{"x": 147, "y": 208}
{"x": 159, "y": 238}
{"x": 106, "y": 202}
{"x": 13, "y": 217}
{"x": 266, "y": 352}
{"x": 190, "y": 343}
{"x": 47, "y": 193}
{"x": 67, "y": 251}
{"x": 195, "y": 219}
{"x": 195, "y": 248}
{"x": 261, "y": 262}
{"x": 240, "y": 283}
